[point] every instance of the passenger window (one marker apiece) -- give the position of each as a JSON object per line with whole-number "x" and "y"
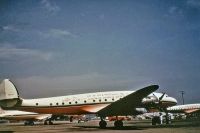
{"x": 37, "y": 104}
{"x": 57, "y": 104}
{"x": 50, "y": 104}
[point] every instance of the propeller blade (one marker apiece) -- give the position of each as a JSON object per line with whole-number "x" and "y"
{"x": 155, "y": 96}
{"x": 162, "y": 96}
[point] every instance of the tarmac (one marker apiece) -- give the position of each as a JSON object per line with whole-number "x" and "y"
{"x": 142, "y": 126}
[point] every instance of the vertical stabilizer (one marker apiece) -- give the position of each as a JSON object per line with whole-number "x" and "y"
{"x": 8, "y": 90}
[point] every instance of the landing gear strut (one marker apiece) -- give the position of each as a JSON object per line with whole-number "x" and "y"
{"x": 167, "y": 118}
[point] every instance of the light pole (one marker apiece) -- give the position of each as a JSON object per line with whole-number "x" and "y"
{"x": 182, "y": 93}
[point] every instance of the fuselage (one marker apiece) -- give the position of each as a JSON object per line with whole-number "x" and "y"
{"x": 80, "y": 103}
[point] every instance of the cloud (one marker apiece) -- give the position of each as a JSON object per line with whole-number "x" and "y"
{"x": 42, "y": 86}
{"x": 58, "y": 33}
{"x": 193, "y": 3}
{"x": 174, "y": 10}
{"x": 82, "y": 81}
{"x": 10, "y": 28}
{"x": 9, "y": 52}
{"x": 50, "y": 7}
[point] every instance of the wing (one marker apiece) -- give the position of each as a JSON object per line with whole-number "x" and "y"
{"x": 128, "y": 104}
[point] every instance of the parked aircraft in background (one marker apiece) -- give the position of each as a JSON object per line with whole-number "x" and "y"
{"x": 28, "y": 117}
{"x": 113, "y": 103}
{"x": 181, "y": 110}
{"x": 187, "y": 108}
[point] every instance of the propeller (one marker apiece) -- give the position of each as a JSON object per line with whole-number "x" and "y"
{"x": 162, "y": 96}
{"x": 158, "y": 105}
{"x": 159, "y": 98}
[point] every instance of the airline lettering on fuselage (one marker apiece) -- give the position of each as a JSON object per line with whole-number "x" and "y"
{"x": 99, "y": 96}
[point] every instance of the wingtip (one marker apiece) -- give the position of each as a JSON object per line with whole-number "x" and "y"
{"x": 155, "y": 86}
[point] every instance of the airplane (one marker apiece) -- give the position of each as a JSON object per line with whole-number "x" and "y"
{"x": 28, "y": 117}
{"x": 187, "y": 108}
{"x": 103, "y": 104}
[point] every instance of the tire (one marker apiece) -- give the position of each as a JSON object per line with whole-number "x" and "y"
{"x": 102, "y": 124}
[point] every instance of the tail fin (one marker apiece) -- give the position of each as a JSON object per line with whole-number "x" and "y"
{"x": 9, "y": 95}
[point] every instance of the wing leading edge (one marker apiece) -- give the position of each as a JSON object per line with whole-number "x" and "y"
{"x": 128, "y": 104}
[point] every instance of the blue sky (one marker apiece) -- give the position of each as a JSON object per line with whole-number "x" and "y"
{"x": 50, "y": 47}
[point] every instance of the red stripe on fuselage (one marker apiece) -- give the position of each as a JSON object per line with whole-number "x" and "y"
{"x": 71, "y": 110}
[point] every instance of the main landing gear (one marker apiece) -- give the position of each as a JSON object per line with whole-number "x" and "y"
{"x": 28, "y": 123}
{"x": 118, "y": 123}
{"x": 48, "y": 122}
{"x": 102, "y": 123}
{"x": 159, "y": 119}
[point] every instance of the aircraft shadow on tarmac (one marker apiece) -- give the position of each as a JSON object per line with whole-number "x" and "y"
{"x": 6, "y": 131}
{"x": 144, "y": 127}
{"x": 113, "y": 128}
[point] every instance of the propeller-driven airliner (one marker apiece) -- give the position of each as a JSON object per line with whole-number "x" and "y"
{"x": 111, "y": 103}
